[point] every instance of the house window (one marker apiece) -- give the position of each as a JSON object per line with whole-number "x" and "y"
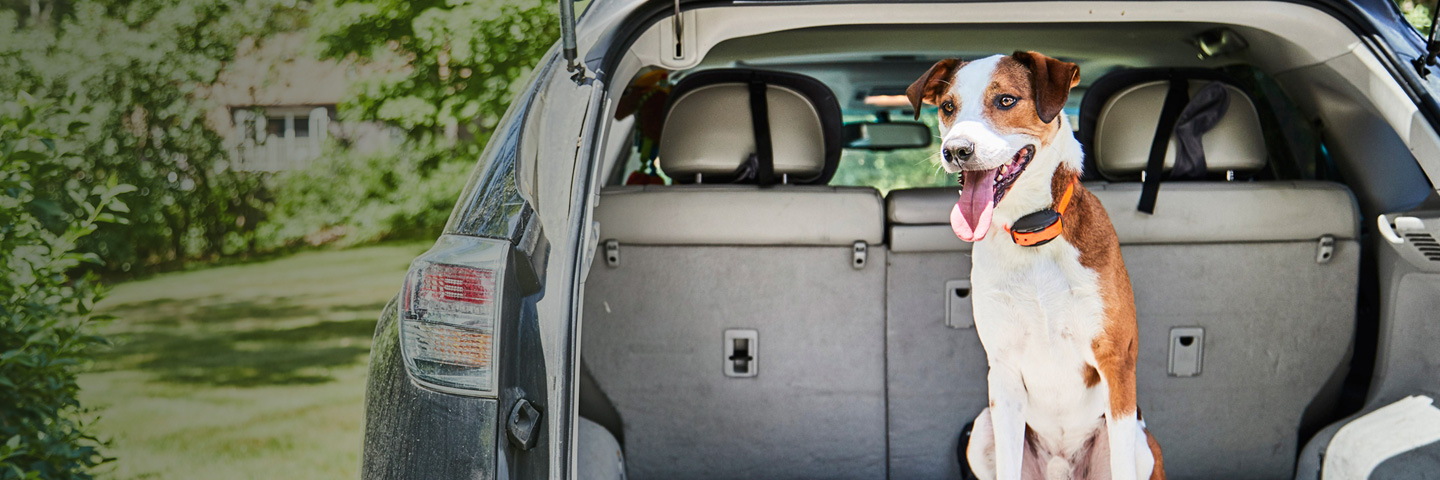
{"x": 273, "y": 138}
{"x": 274, "y": 126}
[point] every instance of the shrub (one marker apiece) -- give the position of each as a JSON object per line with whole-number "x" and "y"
{"x": 350, "y": 198}
{"x": 44, "y": 312}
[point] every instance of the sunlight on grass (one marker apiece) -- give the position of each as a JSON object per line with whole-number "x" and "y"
{"x": 244, "y": 371}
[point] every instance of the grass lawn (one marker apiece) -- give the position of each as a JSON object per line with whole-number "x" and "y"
{"x": 245, "y": 371}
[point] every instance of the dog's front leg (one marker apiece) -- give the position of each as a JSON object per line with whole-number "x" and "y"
{"x": 1123, "y": 427}
{"x": 1007, "y": 414}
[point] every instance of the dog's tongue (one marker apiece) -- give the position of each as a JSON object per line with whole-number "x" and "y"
{"x": 971, "y": 217}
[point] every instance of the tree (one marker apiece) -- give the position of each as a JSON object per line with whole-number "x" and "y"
{"x": 449, "y": 70}
{"x": 125, "y": 75}
{"x": 461, "y": 60}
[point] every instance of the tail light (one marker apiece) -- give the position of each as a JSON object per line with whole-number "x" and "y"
{"x": 450, "y": 314}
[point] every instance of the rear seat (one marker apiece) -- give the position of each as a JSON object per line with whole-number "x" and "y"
{"x": 1239, "y": 259}
{"x": 693, "y": 261}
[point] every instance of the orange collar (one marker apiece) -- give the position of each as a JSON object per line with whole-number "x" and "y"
{"x": 1039, "y": 228}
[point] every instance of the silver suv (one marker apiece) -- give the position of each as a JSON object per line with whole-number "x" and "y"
{"x": 707, "y": 242}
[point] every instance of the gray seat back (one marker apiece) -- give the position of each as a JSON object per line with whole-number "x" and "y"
{"x": 683, "y": 265}
{"x": 694, "y": 262}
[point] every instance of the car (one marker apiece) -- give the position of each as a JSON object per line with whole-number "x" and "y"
{"x": 646, "y": 277}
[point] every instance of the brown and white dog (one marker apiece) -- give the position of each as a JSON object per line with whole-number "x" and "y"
{"x": 1057, "y": 319}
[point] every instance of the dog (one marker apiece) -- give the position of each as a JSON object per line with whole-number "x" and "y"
{"x": 1053, "y": 304}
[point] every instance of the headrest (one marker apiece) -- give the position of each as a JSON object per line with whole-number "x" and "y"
{"x": 708, "y": 128}
{"x": 1123, "y": 108}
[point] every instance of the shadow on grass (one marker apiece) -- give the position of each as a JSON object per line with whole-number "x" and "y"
{"x": 210, "y": 310}
{"x": 219, "y": 344}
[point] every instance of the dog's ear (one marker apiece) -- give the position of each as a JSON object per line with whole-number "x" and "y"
{"x": 1051, "y": 80}
{"x": 932, "y": 83}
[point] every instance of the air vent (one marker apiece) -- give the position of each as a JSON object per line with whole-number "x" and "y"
{"x": 1426, "y": 245}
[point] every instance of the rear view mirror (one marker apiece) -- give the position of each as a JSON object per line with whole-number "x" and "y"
{"x": 887, "y": 136}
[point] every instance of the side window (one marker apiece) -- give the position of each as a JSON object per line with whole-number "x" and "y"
{"x": 1293, "y": 143}
{"x": 642, "y": 107}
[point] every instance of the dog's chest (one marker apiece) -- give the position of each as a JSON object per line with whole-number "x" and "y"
{"x": 1033, "y": 297}
{"x": 1037, "y": 309}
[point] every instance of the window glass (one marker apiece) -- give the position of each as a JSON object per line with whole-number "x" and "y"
{"x": 893, "y": 169}
{"x": 884, "y": 170}
{"x": 275, "y": 126}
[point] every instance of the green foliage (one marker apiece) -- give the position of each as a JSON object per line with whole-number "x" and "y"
{"x": 1417, "y": 13}
{"x": 448, "y": 71}
{"x": 350, "y": 198}
{"x": 130, "y": 76}
{"x": 463, "y": 58}
{"x": 44, "y": 311}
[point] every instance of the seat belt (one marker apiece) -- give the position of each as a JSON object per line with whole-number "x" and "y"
{"x": 1175, "y": 101}
{"x": 760, "y": 121}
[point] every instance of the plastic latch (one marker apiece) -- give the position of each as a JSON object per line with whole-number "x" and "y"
{"x": 1187, "y": 345}
{"x": 958, "y": 310}
{"x": 742, "y": 353}
{"x": 520, "y": 426}
{"x": 859, "y": 255}
{"x": 1326, "y": 250}
{"x": 612, "y": 253}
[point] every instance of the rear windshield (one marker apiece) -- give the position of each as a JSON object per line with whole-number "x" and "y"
{"x": 1295, "y": 147}
{"x": 888, "y": 170}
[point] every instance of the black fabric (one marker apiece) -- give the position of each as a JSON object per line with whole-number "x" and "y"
{"x": 1175, "y": 101}
{"x": 760, "y": 122}
{"x": 1100, "y": 92}
{"x": 1203, "y": 112}
{"x": 596, "y": 406}
{"x": 820, "y": 96}
{"x": 960, "y": 452}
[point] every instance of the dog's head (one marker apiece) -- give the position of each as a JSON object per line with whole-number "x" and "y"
{"x": 995, "y": 115}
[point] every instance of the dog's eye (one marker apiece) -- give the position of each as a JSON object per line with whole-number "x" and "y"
{"x": 948, "y": 107}
{"x": 1006, "y": 101}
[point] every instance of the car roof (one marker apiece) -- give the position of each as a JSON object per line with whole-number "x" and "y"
{"x": 1380, "y": 17}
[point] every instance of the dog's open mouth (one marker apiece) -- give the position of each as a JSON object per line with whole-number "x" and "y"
{"x": 981, "y": 190}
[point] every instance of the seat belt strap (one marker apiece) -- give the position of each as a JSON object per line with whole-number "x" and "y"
{"x": 760, "y": 121}
{"x": 1175, "y": 101}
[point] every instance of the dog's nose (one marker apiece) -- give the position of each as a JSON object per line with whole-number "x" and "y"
{"x": 958, "y": 151}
